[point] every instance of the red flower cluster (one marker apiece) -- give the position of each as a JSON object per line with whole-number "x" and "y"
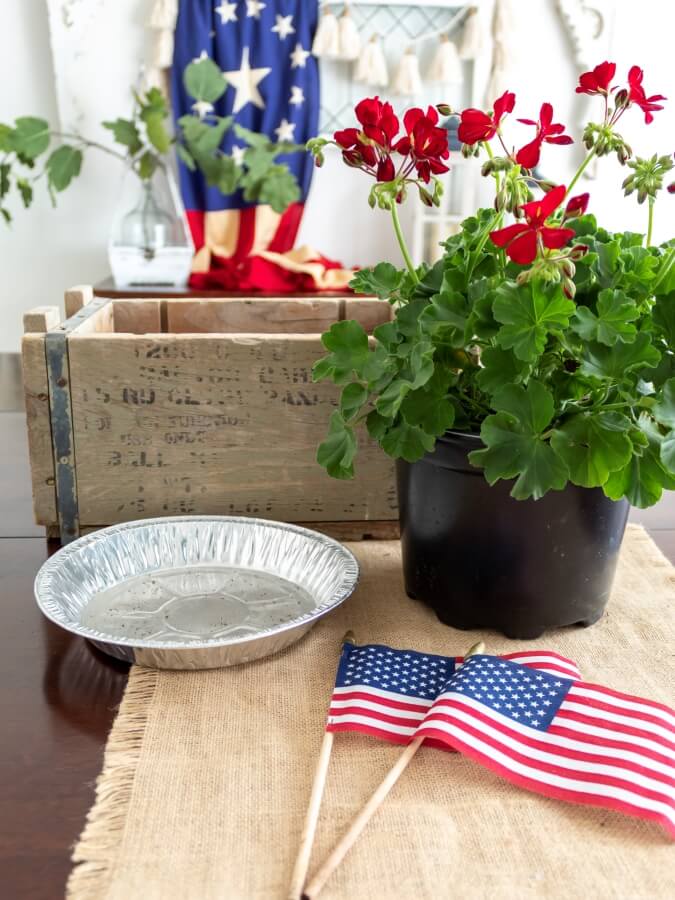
{"x": 425, "y": 142}
{"x": 548, "y": 132}
{"x": 369, "y": 148}
{"x": 476, "y": 125}
{"x": 637, "y": 95}
{"x": 522, "y": 239}
{"x": 597, "y": 81}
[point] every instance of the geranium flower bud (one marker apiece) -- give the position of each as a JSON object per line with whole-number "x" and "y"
{"x": 578, "y": 251}
{"x": 568, "y": 268}
{"x": 444, "y": 109}
{"x": 569, "y": 288}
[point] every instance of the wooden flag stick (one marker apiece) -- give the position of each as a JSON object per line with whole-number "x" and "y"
{"x": 312, "y": 815}
{"x": 349, "y": 838}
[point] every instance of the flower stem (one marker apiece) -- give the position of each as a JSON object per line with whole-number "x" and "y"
{"x": 650, "y": 221}
{"x": 401, "y": 242}
{"x": 495, "y": 175}
{"x": 579, "y": 173}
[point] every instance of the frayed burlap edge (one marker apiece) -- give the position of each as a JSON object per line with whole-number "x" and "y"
{"x": 98, "y": 845}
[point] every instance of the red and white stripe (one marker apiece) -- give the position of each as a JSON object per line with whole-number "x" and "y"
{"x": 602, "y": 747}
{"x": 395, "y": 717}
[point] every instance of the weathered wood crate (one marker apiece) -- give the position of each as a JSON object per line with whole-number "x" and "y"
{"x": 140, "y": 408}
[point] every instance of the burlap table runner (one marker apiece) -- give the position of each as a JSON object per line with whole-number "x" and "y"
{"x": 207, "y": 774}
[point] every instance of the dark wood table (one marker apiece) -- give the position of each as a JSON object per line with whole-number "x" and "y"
{"x": 57, "y": 699}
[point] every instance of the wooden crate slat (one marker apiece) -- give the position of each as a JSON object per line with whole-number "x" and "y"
{"x": 206, "y": 424}
{"x": 265, "y": 316}
{"x": 36, "y": 398}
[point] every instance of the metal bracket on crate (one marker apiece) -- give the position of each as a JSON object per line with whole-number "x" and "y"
{"x": 63, "y": 444}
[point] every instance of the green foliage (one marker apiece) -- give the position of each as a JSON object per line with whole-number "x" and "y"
{"x": 560, "y": 390}
{"x": 143, "y": 141}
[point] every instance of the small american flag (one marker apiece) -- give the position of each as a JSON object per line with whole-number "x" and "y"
{"x": 560, "y": 736}
{"x": 387, "y": 692}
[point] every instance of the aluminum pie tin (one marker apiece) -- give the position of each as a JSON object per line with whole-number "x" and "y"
{"x": 195, "y": 592}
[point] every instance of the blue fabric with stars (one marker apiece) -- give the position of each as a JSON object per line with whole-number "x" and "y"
{"x": 518, "y": 692}
{"x": 405, "y": 672}
{"x": 274, "y": 35}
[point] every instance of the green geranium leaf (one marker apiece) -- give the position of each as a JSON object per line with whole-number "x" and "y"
{"x": 664, "y": 315}
{"x": 500, "y": 367}
{"x": 6, "y": 133}
{"x": 5, "y": 182}
{"x": 348, "y": 345}
{"x": 668, "y": 452}
{"x": 608, "y": 261}
{"x": 377, "y": 425}
{"x": 125, "y": 132}
{"x": 62, "y": 166}
{"x": 592, "y": 446}
{"x": 422, "y": 363}
{"x": 336, "y": 453}
{"x": 30, "y": 137}
{"x": 383, "y": 280}
{"x": 432, "y": 413}
{"x": 664, "y": 410}
{"x": 602, "y": 361}
{"x": 513, "y": 452}
{"x": 390, "y": 400}
{"x": 528, "y": 313}
{"x": 203, "y": 80}
{"x": 407, "y": 442}
{"x": 352, "y": 399}
{"x": 645, "y": 476}
{"x": 531, "y": 406}
{"x": 449, "y": 310}
{"x": 613, "y": 321}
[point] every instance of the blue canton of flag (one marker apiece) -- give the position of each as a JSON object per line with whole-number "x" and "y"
{"x": 263, "y": 49}
{"x": 387, "y": 692}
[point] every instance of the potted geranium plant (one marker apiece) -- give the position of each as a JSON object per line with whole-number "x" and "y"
{"x": 526, "y": 383}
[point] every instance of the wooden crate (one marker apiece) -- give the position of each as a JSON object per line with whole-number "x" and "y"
{"x": 140, "y": 408}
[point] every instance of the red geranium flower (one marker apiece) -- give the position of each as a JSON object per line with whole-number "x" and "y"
{"x": 379, "y": 125}
{"x": 522, "y": 239}
{"x": 477, "y": 125}
{"x": 637, "y": 95}
{"x": 425, "y": 142}
{"x": 597, "y": 81}
{"x": 548, "y": 132}
{"x": 576, "y": 206}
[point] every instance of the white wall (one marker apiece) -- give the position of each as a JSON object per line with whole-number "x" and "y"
{"x": 46, "y": 250}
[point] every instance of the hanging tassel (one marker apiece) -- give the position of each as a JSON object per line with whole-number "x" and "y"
{"x": 502, "y": 38}
{"x": 163, "y": 14}
{"x": 473, "y": 36}
{"x": 162, "y": 51}
{"x": 446, "y": 65}
{"x": 408, "y": 81}
{"x": 363, "y": 62}
{"x": 327, "y": 38}
{"x": 375, "y": 65}
{"x": 349, "y": 37}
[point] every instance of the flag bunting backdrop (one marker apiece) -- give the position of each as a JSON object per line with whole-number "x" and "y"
{"x": 526, "y": 716}
{"x": 263, "y": 50}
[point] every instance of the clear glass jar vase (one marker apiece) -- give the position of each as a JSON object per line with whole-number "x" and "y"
{"x": 150, "y": 242}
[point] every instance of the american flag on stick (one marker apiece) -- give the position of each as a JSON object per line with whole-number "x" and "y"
{"x": 387, "y": 692}
{"x": 527, "y": 716}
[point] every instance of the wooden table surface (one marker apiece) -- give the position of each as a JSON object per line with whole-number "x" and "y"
{"x": 57, "y": 698}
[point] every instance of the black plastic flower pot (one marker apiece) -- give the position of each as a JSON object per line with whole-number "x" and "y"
{"x": 481, "y": 559}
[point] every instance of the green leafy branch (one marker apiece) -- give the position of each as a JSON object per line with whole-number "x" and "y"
{"x": 31, "y": 151}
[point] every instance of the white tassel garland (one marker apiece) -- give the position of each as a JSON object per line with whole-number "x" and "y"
{"x": 327, "y": 38}
{"x": 163, "y": 14}
{"x": 446, "y": 66}
{"x": 408, "y": 81}
{"x": 473, "y": 36}
{"x": 375, "y": 72}
{"x": 349, "y": 37}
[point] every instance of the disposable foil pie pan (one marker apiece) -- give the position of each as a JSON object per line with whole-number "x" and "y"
{"x": 195, "y": 592}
